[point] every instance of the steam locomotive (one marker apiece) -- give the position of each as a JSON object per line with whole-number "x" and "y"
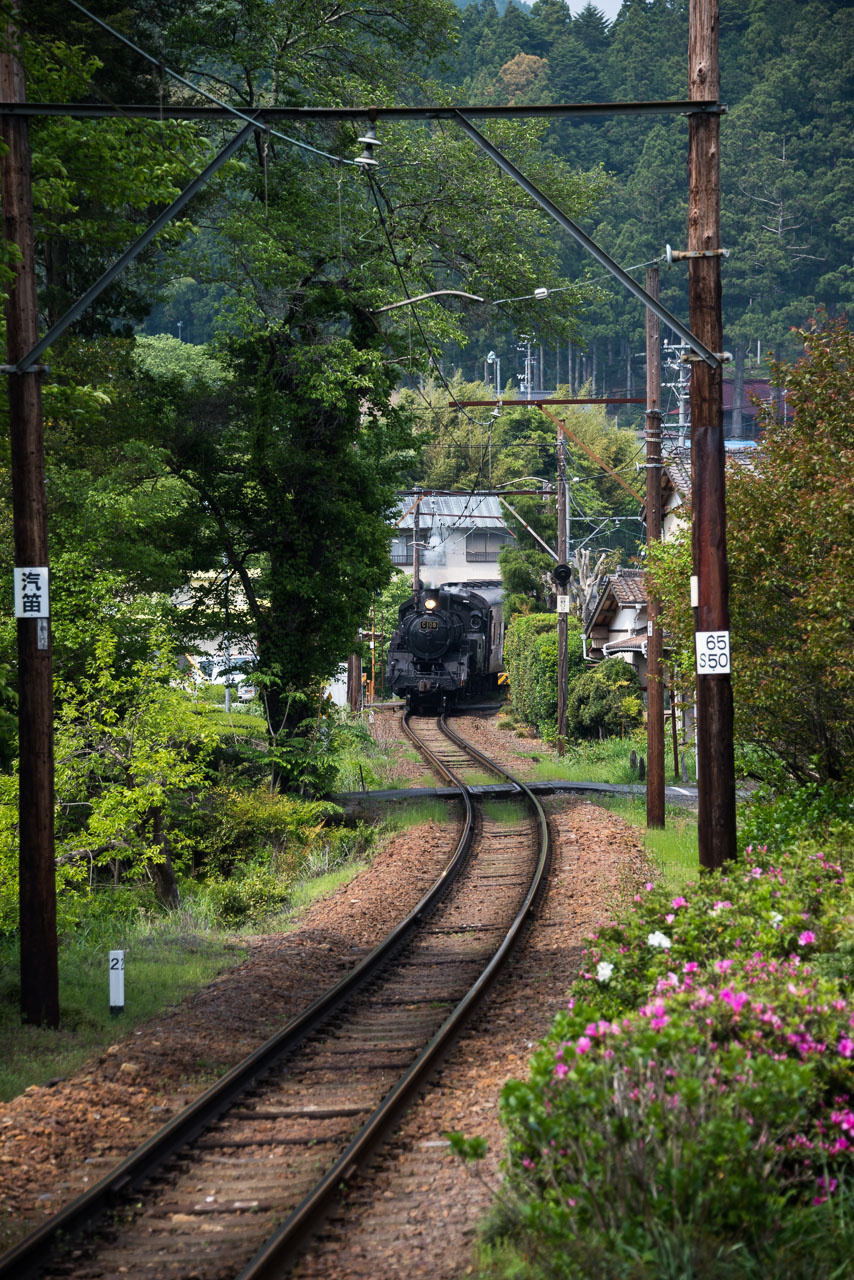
{"x": 449, "y": 643}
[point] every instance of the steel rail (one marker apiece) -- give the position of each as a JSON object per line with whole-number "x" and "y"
{"x": 26, "y": 1258}
{"x": 282, "y": 1247}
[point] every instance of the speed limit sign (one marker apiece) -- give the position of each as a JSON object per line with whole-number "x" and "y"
{"x": 712, "y": 653}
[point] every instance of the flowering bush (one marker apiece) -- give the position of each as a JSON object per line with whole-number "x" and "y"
{"x": 692, "y": 1110}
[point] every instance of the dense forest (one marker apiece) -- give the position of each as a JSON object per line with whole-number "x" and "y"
{"x": 786, "y": 168}
{"x": 786, "y": 80}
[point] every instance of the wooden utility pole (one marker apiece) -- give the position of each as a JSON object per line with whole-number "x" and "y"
{"x": 37, "y": 894}
{"x": 654, "y": 683}
{"x": 354, "y": 682}
{"x": 562, "y": 618}
{"x": 714, "y": 689}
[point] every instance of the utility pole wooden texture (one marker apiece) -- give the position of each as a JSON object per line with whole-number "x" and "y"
{"x": 654, "y": 683}
{"x": 717, "y": 836}
{"x": 37, "y": 894}
{"x": 562, "y": 618}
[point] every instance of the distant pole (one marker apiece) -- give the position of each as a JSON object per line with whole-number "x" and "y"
{"x": 654, "y": 683}
{"x": 37, "y": 894}
{"x": 373, "y": 652}
{"x": 717, "y": 836}
{"x": 562, "y": 619}
{"x": 416, "y": 550}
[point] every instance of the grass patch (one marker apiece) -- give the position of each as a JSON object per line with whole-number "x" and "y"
{"x": 479, "y": 778}
{"x": 603, "y": 761}
{"x": 411, "y": 813}
{"x": 673, "y": 848}
{"x": 163, "y": 964}
{"x": 506, "y": 812}
{"x": 308, "y": 891}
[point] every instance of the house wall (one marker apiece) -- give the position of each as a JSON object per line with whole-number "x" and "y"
{"x": 458, "y": 558}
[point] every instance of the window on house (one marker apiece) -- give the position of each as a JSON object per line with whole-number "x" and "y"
{"x": 484, "y": 544}
{"x": 401, "y": 549}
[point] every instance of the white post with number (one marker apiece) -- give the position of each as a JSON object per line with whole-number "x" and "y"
{"x": 117, "y": 982}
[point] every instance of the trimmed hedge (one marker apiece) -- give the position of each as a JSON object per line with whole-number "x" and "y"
{"x": 530, "y": 656}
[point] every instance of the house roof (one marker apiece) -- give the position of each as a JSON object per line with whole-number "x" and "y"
{"x": 631, "y": 644}
{"x": 624, "y": 587}
{"x": 449, "y": 511}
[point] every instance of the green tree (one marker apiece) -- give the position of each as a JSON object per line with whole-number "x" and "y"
{"x": 791, "y": 540}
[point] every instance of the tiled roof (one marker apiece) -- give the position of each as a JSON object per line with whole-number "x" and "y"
{"x": 678, "y": 472}
{"x": 628, "y": 586}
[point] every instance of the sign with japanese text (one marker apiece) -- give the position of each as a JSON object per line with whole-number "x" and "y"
{"x": 31, "y": 593}
{"x": 712, "y": 653}
{"x": 563, "y": 604}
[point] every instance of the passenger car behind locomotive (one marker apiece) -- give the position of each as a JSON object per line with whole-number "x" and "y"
{"x": 449, "y": 642}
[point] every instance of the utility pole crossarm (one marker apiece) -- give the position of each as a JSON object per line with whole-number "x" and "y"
{"x": 604, "y": 259}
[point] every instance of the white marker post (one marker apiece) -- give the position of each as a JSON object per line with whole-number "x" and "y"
{"x": 117, "y": 982}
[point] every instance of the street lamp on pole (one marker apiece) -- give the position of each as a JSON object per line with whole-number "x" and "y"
{"x": 495, "y": 361}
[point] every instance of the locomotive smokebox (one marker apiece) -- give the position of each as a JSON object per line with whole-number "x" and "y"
{"x": 430, "y": 635}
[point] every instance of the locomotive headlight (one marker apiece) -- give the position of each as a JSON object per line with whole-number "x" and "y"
{"x": 431, "y": 602}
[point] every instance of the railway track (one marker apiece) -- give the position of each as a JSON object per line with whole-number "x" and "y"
{"x": 235, "y": 1185}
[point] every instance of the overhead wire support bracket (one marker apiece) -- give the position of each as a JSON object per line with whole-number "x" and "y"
{"x": 587, "y": 243}
{"x": 190, "y": 111}
{"x": 27, "y": 363}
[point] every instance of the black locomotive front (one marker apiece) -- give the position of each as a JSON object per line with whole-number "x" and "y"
{"x": 444, "y": 644}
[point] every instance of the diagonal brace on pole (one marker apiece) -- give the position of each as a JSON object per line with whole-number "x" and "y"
{"x": 593, "y": 456}
{"x": 585, "y": 241}
{"x": 27, "y": 362}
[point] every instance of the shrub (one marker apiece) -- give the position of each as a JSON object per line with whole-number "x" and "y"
{"x": 690, "y": 1112}
{"x": 605, "y": 700}
{"x": 233, "y": 828}
{"x": 245, "y": 898}
{"x": 530, "y": 655}
{"x": 780, "y": 820}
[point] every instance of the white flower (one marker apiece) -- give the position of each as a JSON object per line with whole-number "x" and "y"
{"x": 604, "y": 970}
{"x": 776, "y": 919}
{"x": 659, "y": 939}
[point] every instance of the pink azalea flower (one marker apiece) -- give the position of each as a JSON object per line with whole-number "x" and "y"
{"x": 806, "y": 937}
{"x": 582, "y": 1044}
{"x": 561, "y": 1070}
{"x": 679, "y": 902}
{"x": 846, "y": 1047}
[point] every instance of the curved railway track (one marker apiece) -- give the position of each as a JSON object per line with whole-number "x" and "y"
{"x": 235, "y": 1185}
